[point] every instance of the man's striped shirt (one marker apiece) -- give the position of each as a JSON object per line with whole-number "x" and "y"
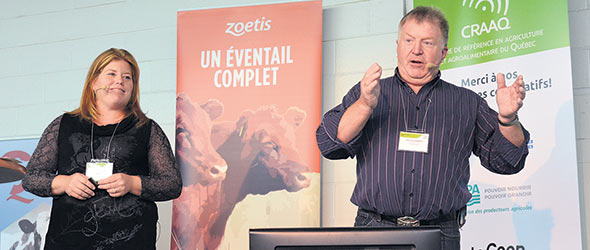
{"x": 422, "y": 185}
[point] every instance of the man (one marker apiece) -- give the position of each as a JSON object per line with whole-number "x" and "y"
{"x": 413, "y": 133}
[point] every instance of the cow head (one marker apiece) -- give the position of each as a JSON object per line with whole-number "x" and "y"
{"x": 270, "y": 136}
{"x": 198, "y": 160}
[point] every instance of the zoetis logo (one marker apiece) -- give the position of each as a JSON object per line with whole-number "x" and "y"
{"x": 475, "y": 195}
{"x": 497, "y": 7}
{"x": 241, "y": 28}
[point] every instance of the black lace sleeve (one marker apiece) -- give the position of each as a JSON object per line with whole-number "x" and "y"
{"x": 42, "y": 167}
{"x": 163, "y": 182}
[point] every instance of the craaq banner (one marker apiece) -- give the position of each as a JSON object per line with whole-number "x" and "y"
{"x": 537, "y": 208}
{"x": 248, "y": 103}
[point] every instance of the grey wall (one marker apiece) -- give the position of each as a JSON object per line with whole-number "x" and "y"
{"x": 579, "y": 20}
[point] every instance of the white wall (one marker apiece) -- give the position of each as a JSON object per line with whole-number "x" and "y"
{"x": 46, "y": 48}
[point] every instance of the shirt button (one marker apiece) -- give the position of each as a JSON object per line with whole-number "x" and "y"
{"x": 415, "y": 126}
{"x": 411, "y": 194}
{"x": 417, "y": 108}
{"x": 412, "y": 171}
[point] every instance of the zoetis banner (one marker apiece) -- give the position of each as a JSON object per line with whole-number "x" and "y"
{"x": 537, "y": 208}
{"x": 248, "y": 103}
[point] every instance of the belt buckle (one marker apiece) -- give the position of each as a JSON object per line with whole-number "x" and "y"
{"x": 408, "y": 221}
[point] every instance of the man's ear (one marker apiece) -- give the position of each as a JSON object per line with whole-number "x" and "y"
{"x": 445, "y": 50}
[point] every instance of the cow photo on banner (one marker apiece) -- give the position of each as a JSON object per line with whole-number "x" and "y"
{"x": 538, "y": 208}
{"x": 248, "y": 101}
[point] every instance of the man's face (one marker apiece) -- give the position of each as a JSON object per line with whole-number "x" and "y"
{"x": 419, "y": 45}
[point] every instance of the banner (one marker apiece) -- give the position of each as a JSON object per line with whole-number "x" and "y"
{"x": 537, "y": 208}
{"x": 25, "y": 217}
{"x": 248, "y": 103}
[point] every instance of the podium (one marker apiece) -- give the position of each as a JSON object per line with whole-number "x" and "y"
{"x": 346, "y": 238}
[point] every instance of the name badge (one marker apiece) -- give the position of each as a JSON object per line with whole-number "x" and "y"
{"x": 413, "y": 142}
{"x": 99, "y": 169}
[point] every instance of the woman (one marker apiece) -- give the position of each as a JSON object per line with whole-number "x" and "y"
{"x": 105, "y": 164}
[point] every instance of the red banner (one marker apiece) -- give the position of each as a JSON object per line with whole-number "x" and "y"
{"x": 248, "y": 104}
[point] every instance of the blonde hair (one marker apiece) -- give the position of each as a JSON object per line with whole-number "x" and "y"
{"x": 430, "y": 14}
{"x": 87, "y": 109}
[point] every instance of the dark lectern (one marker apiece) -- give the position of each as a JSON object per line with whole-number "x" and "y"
{"x": 346, "y": 238}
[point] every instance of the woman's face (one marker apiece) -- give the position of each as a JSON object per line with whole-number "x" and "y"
{"x": 114, "y": 85}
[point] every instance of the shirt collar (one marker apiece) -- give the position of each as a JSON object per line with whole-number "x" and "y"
{"x": 425, "y": 89}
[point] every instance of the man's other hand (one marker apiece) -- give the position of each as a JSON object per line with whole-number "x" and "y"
{"x": 509, "y": 99}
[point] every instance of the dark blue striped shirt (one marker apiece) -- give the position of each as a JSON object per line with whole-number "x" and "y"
{"x": 422, "y": 185}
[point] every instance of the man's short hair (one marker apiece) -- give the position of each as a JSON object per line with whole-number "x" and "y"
{"x": 430, "y": 14}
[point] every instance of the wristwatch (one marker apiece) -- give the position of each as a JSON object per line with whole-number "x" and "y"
{"x": 509, "y": 123}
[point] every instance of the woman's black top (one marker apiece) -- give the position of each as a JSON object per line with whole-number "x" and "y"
{"x": 102, "y": 221}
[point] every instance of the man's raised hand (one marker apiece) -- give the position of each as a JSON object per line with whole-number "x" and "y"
{"x": 370, "y": 86}
{"x": 510, "y": 99}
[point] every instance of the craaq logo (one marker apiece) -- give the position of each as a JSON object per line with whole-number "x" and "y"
{"x": 493, "y": 6}
{"x": 498, "y": 7}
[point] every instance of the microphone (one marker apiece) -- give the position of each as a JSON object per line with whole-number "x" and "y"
{"x": 432, "y": 65}
{"x": 104, "y": 87}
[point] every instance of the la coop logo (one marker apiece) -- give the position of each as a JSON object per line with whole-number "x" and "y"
{"x": 241, "y": 28}
{"x": 494, "y": 246}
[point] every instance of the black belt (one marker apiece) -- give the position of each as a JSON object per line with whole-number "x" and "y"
{"x": 410, "y": 221}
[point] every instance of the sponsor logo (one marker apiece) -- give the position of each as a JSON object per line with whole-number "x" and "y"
{"x": 494, "y": 246}
{"x": 493, "y": 6}
{"x": 241, "y": 28}
{"x": 498, "y": 7}
{"x": 475, "y": 195}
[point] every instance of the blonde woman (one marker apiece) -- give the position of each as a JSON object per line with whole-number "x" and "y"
{"x": 104, "y": 164}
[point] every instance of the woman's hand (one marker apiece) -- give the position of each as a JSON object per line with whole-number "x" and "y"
{"x": 120, "y": 184}
{"x": 76, "y": 185}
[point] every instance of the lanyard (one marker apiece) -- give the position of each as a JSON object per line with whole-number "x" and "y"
{"x": 92, "y": 140}
{"x": 405, "y": 113}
